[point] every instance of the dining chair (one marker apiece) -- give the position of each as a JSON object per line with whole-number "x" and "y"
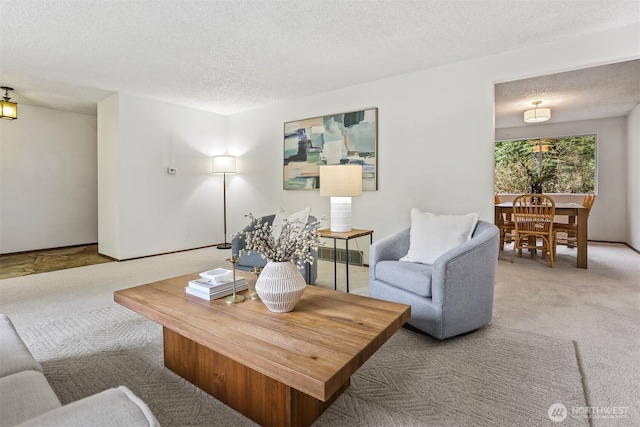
{"x": 533, "y": 219}
{"x": 571, "y": 228}
{"x": 505, "y": 225}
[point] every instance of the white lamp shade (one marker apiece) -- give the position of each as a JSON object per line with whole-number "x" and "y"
{"x": 537, "y": 115}
{"x": 341, "y": 180}
{"x": 223, "y": 164}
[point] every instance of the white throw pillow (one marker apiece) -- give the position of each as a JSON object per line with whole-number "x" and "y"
{"x": 282, "y": 215}
{"x": 432, "y": 235}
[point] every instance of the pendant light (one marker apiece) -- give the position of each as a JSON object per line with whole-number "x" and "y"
{"x": 8, "y": 109}
{"x": 537, "y": 115}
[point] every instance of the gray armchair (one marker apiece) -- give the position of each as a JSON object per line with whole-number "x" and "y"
{"x": 253, "y": 259}
{"x": 448, "y": 298}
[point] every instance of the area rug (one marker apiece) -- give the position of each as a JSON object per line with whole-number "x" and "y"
{"x": 492, "y": 377}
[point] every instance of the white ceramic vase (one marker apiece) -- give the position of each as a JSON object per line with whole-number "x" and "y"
{"x": 280, "y": 286}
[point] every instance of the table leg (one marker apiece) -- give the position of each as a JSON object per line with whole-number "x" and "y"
{"x": 347, "y": 262}
{"x": 266, "y": 401}
{"x": 583, "y": 218}
{"x": 570, "y": 242}
{"x": 335, "y": 265}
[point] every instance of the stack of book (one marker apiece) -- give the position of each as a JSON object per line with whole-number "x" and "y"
{"x": 211, "y": 289}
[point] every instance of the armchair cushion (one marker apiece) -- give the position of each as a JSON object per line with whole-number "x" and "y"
{"x": 410, "y": 276}
{"x": 301, "y": 216}
{"x": 251, "y": 260}
{"x": 433, "y": 235}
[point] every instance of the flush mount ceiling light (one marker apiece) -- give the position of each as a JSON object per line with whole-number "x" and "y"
{"x": 8, "y": 109}
{"x": 537, "y": 115}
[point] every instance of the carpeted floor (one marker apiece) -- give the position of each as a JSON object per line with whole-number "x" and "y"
{"x": 561, "y": 335}
{"x": 497, "y": 376}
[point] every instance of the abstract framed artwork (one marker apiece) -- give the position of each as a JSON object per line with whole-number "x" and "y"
{"x": 330, "y": 140}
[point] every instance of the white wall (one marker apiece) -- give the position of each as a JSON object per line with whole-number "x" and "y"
{"x": 421, "y": 162}
{"x": 108, "y": 176}
{"x": 143, "y": 209}
{"x": 435, "y": 146}
{"x": 607, "y": 220}
{"x": 48, "y": 190}
{"x": 435, "y": 134}
{"x": 633, "y": 178}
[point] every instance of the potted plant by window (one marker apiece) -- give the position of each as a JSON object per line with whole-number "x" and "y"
{"x": 280, "y": 284}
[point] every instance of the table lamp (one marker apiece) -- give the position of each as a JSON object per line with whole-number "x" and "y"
{"x": 341, "y": 182}
{"x": 224, "y": 165}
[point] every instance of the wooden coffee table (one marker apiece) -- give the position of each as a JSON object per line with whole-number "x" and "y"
{"x": 277, "y": 369}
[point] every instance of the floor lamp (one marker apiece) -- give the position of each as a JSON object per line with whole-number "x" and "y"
{"x": 224, "y": 165}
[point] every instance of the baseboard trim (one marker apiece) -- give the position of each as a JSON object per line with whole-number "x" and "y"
{"x": 52, "y": 249}
{"x": 632, "y": 248}
{"x": 161, "y": 253}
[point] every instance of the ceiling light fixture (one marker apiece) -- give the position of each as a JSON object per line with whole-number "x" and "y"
{"x": 537, "y": 115}
{"x": 8, "y": 109}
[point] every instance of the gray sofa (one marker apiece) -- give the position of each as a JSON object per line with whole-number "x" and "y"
{"x": 448, "y": 298}
{"x": 26, "y": 399}
{"x": 249, "y": 260}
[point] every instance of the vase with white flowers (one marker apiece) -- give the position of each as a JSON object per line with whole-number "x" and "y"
{"x": 280, "y": 284}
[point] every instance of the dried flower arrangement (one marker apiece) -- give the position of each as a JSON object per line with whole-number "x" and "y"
{"x": 294, "y": 244}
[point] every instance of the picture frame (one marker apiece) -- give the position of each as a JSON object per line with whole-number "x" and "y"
{"x": 344, "y": 138}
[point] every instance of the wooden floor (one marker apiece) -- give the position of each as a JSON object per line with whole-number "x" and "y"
{"x": 33, "y": 262}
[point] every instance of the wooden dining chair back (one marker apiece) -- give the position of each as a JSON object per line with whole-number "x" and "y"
{"x": 571, "y": 228}
{"x": 505, "y": 225}
{"x": 533, "y": 222}
{"x": 588, "y": 200}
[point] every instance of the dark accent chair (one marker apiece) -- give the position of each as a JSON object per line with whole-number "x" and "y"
{"x": 249, "y": 260}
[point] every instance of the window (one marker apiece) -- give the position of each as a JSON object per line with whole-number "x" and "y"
{"x": 549, "y": 165}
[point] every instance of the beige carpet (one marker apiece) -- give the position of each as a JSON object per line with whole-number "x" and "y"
{"x": 497, "y": 376}
{"x": 505, "y": 374}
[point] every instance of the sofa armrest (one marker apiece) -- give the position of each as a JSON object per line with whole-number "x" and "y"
{"x": 25, "y": 395}
{"x": 14, "y": 355}
{"x": 115, "y": 407}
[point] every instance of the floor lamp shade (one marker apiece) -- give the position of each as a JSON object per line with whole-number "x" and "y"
{"x": 224, "y": 165}
{"x": 341, "y": 182}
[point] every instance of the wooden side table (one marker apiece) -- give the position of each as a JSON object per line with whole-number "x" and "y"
{"x": 346, "y": 236}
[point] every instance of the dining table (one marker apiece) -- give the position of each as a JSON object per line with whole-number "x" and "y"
{"x": 572, "y": 210}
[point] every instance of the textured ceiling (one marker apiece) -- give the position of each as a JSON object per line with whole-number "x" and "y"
{"x": 591, "y": 93}
{"x": 231, "y": 56}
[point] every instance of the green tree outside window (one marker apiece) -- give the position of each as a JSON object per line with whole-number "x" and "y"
{"x": 549, "y": 165}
